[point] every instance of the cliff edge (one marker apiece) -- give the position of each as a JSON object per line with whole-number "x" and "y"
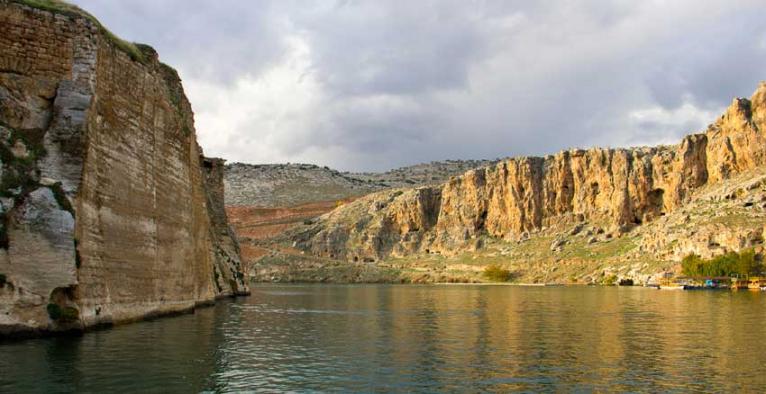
{"x": 608, "y": 196}
{"x": 109, "y": 211}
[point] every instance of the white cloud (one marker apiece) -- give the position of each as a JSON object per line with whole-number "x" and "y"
{"x": 658, "y": 125}
{"x": 377, "y": 84}
{"x": 245, "y": 121}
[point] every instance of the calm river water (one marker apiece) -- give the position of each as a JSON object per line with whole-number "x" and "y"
{"x": 417, "y": 338}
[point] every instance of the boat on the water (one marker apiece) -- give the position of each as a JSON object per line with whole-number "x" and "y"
{"x": 739, "y": 284}
{"x": 717, "y": 283}
{"x": 680, "y": 283}
{"x": 671, "y": 286}
{"x": 711, "y": 283}
{"x": 756, "y": 283}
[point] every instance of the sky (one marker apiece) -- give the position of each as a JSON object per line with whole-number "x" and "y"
{"x": 374, "y": 85}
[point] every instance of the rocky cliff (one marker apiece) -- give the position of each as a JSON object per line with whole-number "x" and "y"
{"x": 266, "y": 201}
{"x": 229, "y": 274}
{"x": 610, "y": 191}
{"x": 108, "y": 212}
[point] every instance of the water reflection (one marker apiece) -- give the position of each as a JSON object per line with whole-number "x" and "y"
{"x": 417, "y": 338}
{"x": 168, "y": 355}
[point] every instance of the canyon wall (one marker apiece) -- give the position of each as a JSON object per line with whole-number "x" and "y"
{"x": 108, "y": 212}
{"x": 617, "y": 188}
{"x": 229, "y": 273}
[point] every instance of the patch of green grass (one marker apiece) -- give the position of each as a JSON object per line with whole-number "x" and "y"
{"x": 738, "y": 219}
{"x": 61, "y": 7}
{"x": 537, "y": 245}
{"x": 600, "y": 250}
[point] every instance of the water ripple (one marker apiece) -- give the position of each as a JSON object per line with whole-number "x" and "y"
{"x": 417, "y": 338}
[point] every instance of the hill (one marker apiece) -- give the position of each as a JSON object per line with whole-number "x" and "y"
{"x": 285, "y": 185}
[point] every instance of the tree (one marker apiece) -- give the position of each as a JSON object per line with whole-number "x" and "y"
{"x": 729, "y": 264}
{"x": 693, "y": 265}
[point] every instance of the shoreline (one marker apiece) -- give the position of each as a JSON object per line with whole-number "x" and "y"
{"x": 81, "y": 330}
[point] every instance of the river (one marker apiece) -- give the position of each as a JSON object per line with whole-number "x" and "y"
{"x": 417, "y": 338}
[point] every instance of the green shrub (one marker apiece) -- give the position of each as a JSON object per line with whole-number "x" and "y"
{"x": 692, "y": 265}
{"x": 62, "y": 315}
{"x": 69, "y": 314}
{"x": 610, "y": 280}
{"x": 54, "y": 311}
{"x": 495, "y": 273}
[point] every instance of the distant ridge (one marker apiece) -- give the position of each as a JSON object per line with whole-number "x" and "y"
{"x": 290, "y": 184}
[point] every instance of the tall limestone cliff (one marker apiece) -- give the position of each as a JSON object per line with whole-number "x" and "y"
{"x": 109, "y": 213}
{"x": 229, "y": 274}
{"x": 614, "y": 188}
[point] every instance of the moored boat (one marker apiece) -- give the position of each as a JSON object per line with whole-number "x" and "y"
{"x": 739, "y": 284}
{"x": 680, "y": 283}
{"x": 756, "y": 283}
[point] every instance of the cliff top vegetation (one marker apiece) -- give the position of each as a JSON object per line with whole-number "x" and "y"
{"x": 137, "y": 52}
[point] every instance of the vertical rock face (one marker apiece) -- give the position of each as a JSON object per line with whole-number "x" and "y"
{"x": 617, "y": 187}
{"x": 109, "y": 212}
{"x": 229, "y": 273}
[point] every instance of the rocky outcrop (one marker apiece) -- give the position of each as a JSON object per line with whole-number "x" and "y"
{"x": 108, "y": 211}
{"x": 229, "y": 273}
{"x": 616, "y": 188}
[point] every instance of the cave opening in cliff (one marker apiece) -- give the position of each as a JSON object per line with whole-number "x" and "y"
{"x": 656, "y": 201}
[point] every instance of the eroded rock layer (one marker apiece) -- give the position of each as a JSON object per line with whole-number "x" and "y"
{"x": 621, "y": 188}
{"x": 108, "y": 213}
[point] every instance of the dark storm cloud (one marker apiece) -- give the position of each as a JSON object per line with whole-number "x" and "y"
{"x": 378, "y": 84}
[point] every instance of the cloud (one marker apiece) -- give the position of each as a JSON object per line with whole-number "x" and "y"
{"x": 371, "y": 85}
{"x": 391, "y": 47}
{"x": 219, "y": 41}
